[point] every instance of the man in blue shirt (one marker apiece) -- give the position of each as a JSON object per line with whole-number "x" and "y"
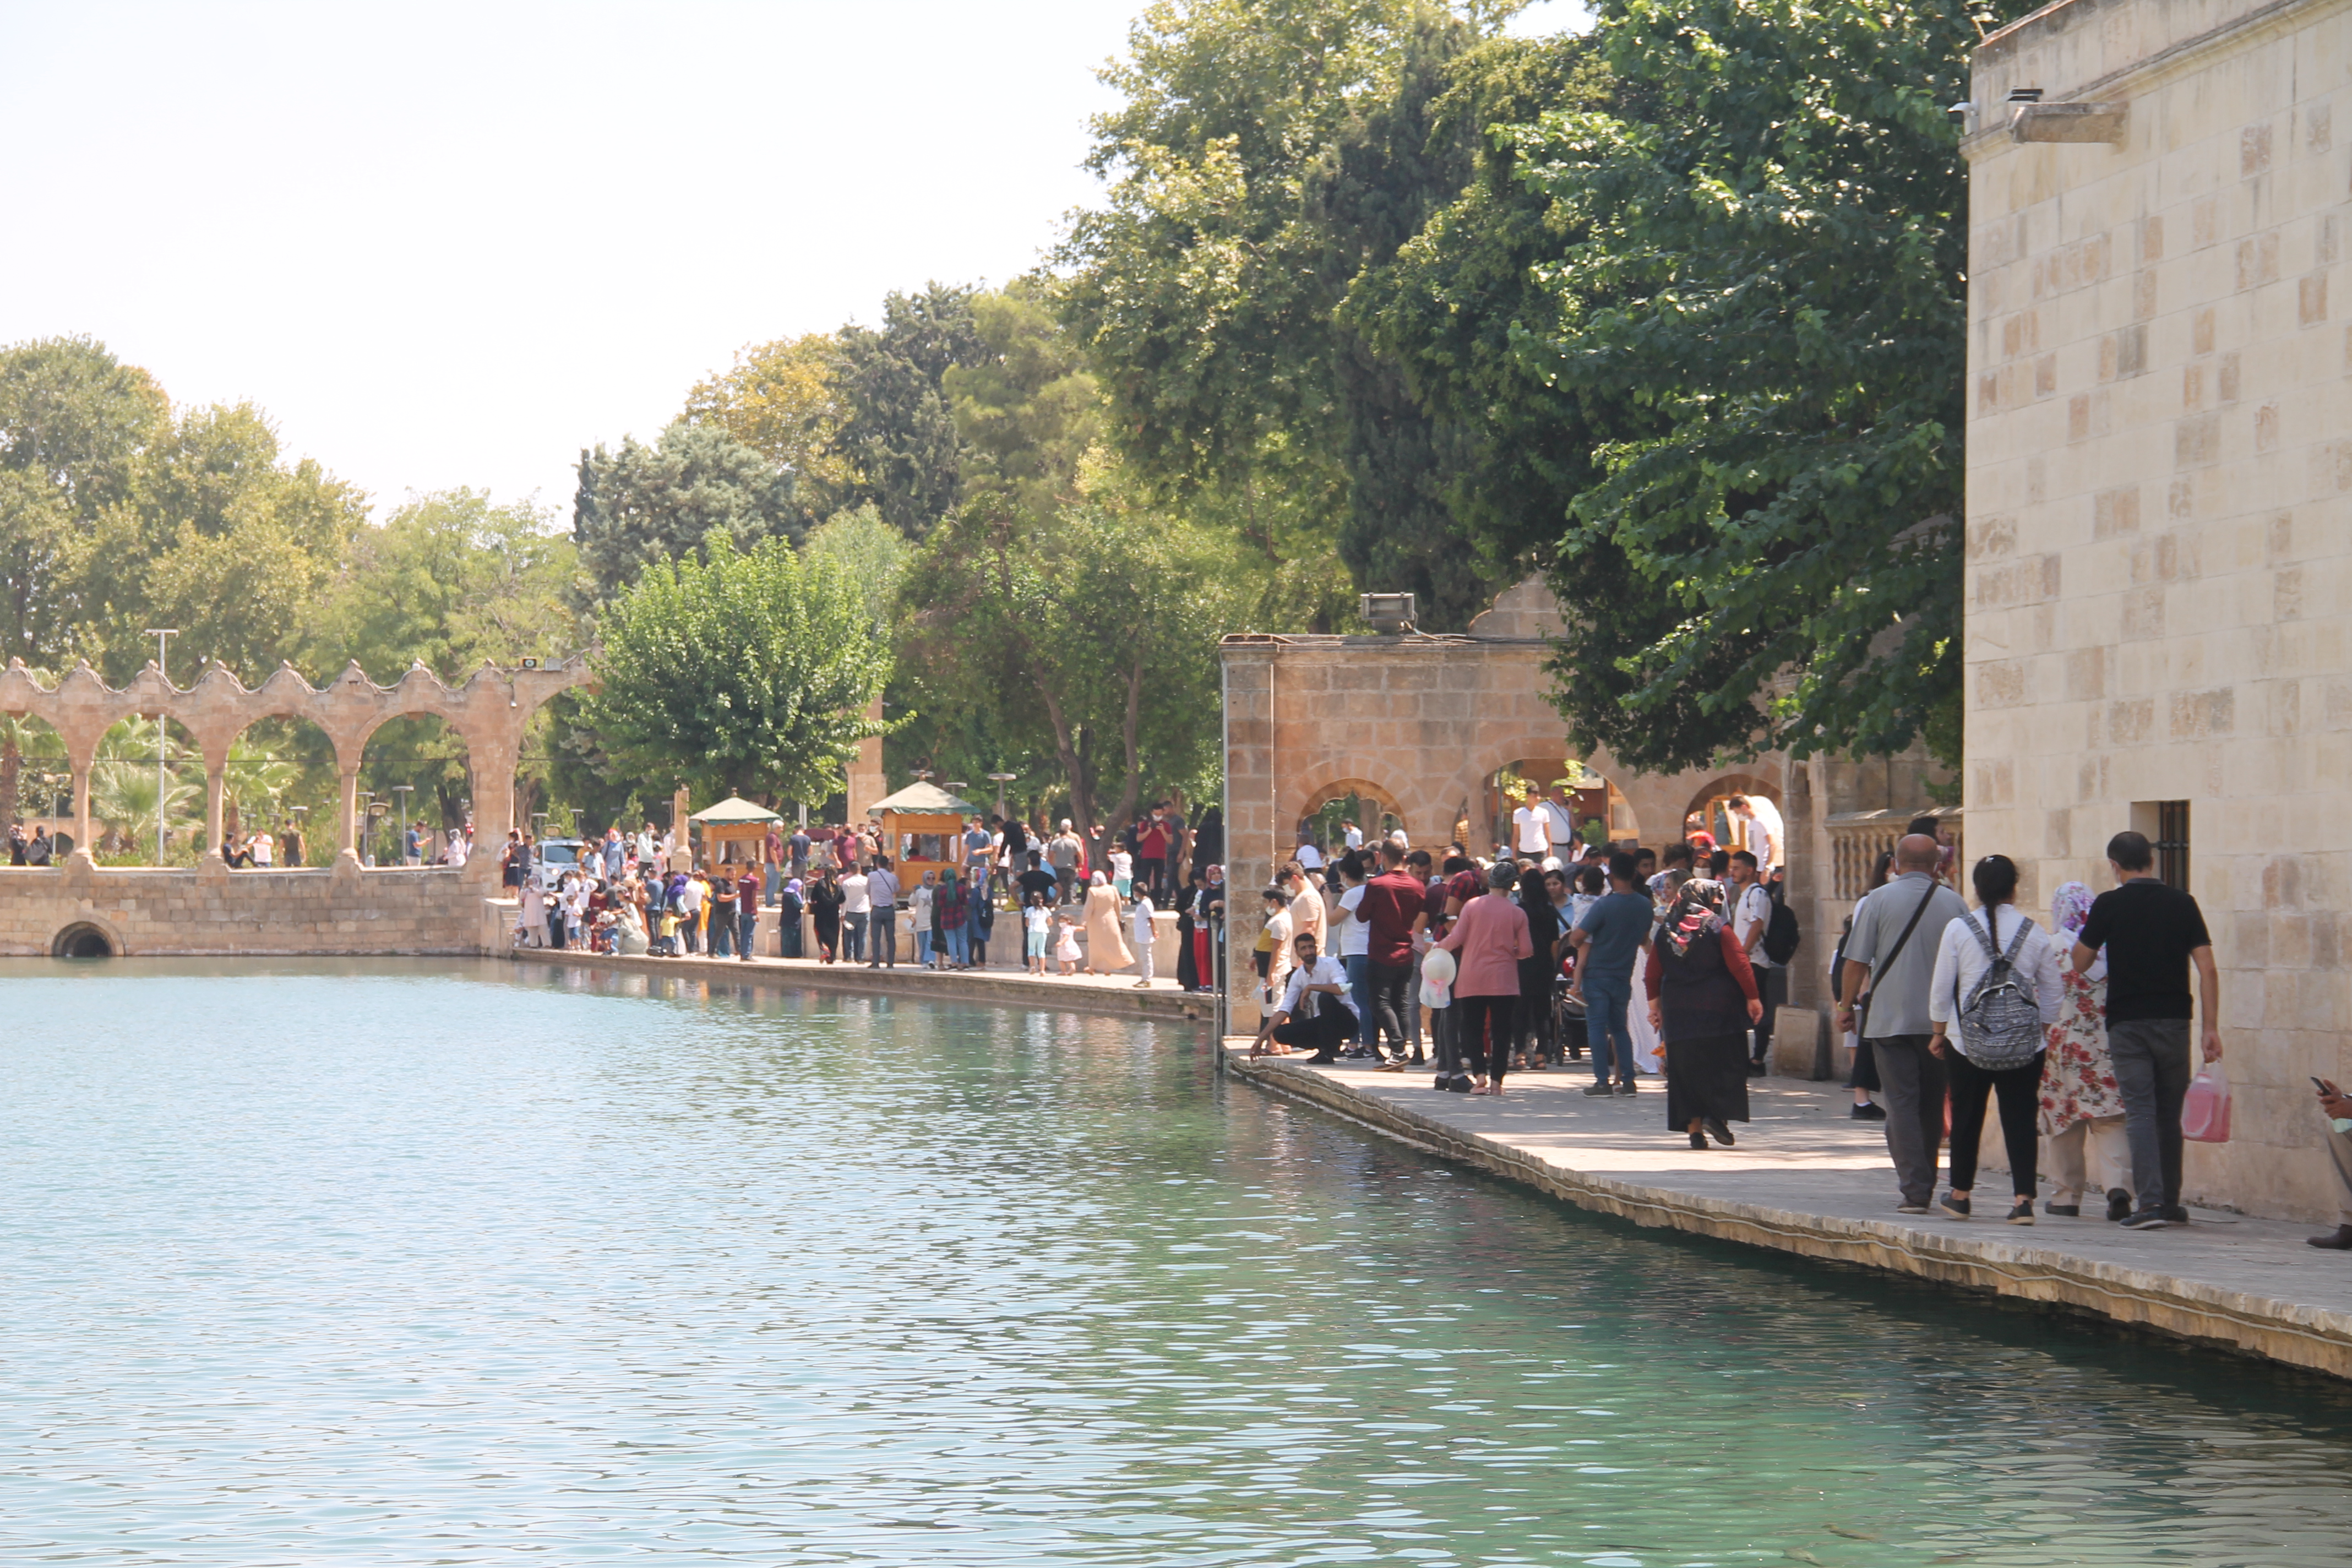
{"x": 1608, "y": 940}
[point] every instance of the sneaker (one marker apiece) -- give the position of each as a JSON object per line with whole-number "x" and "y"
{"x": 1910, "y": 1208}
{"x": 2174, "y": 1214}
{"x": 1440, "y": 1083}
{"x": 2064, "y": 1211}
{"x": 2119, "y": 1204}
{"x": 1626, "y": 1087}
{"x": 2147, "y": 1219}
{"x": 1458, "y": 1084}
{"x": 1868, "y": 1110}
{"x": 1956, "y": 1207}
{"x": 1597, "y": 1090}
{"x": 2020, "y": 1213}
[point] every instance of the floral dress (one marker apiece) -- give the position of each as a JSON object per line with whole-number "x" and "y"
{"x": 2078, "y": 1082}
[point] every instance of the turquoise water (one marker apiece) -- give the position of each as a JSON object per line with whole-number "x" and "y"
{"x": 410, "y": 1263}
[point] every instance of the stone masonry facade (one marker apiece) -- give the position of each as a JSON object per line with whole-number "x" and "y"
{"x": 2159, "y": 504}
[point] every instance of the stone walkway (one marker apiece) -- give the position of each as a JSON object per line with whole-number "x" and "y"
{"x": 1806, "y": 1178}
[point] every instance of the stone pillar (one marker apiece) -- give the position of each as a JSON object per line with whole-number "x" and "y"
{"x": 81, "y": 764}
{"x": 493, "y": 767}
{"x": 216, "y": 826}
{"x": 347, "y": 839}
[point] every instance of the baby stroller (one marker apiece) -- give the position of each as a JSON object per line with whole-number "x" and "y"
{"x": 1567, "y": 1011}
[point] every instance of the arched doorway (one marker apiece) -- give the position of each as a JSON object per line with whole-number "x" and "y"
{"x": 279, "y": 779}
{"x": 1710, "y": 810}
{"x": 147, "y": 794}
{"x": 416, "y": 778}
{"x": 36, "y": 783}
{"x": 1580, "y": 805}
{"x": 1329, "y": 811}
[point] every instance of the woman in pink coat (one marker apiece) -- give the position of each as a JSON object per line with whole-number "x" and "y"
{"x": 1488, "y": 939}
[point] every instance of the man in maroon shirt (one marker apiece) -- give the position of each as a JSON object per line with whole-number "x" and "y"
{"x": 1395, "y": 907}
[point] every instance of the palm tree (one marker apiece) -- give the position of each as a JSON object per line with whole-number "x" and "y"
{"x": 122, "y": 795}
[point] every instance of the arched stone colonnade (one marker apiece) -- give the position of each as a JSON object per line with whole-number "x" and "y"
{"x": 489, "y": 711}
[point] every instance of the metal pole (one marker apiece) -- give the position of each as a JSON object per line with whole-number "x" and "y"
{"x": 163, "y": 637}
{"x": 402, "y": 790}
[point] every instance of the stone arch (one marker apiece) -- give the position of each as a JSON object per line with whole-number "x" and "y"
{"x": 1488, "y": 757}
{"x": 86, "y": 938}
{"x": 1723, "y": 786}
{"x": 1351, "y": 775}
{"x": 425, "y": 800}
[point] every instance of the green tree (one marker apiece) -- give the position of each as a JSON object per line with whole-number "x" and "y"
{"x": 1266, "y": 152}
{"x": 73, "y": 422}
{"x": 1763, "y": 245}
{"x": 643, "y": 504}
{"x": 785, "y": 400}
{"x": 236, "y": 545}
{"x": 900, "y": 435}
{"x": 739, "y": 674}
{"x": 450, "y": 579}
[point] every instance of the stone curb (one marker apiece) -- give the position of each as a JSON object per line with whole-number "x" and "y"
{"x": 987, "y": 990}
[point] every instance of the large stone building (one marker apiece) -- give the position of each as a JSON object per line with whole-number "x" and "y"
{"x": 2160, "y": 458}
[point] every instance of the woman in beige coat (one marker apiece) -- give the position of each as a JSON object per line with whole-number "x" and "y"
{"x": 1107, "y": 951}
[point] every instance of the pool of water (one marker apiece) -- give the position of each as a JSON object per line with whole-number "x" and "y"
{"x": 448, "y": 1263}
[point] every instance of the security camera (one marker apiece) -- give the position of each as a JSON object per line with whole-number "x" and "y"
{"x": 1961, "y": 111}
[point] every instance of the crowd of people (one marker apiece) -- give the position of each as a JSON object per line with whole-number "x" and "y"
{"x": 1532, "y": 957}
{"x": 2081, "y": 1037}
{"x": 646, "y": 894}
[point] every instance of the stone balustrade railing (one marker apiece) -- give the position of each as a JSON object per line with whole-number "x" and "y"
{"x": 1858, "y": 838}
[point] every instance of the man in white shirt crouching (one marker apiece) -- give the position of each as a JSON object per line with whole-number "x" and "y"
{"x": 1315, "y": 1008}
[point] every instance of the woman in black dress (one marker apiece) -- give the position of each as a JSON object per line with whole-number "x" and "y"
{"x": 1532, "y": 1027}
{"x": 824, "y": 897}
{"x": 1702, "y": 997}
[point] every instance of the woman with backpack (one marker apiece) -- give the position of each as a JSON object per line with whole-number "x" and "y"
{"x": 1995, "y": 995}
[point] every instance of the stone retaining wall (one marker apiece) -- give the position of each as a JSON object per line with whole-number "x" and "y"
{"x": 145, "y": 912}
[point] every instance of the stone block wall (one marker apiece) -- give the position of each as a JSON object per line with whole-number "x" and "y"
{"x": 2159, "y": 507}
{"x": 215, "y": 911}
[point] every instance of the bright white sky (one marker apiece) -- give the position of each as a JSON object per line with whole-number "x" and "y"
{"x": 451, "y": 245}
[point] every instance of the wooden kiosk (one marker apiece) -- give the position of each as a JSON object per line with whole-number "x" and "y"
{"x": 922, "y": 830}
{"x": 734, "y": 832}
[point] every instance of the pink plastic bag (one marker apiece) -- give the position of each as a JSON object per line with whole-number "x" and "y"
{"x": 2205, "y": 1111}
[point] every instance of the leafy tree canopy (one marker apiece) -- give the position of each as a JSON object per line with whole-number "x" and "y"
{"x": 1762, "y": 246}
{"x": 738, "y": 674}
{"x": 785, "y": 400}
{"x": 899, "y": 434}
{"x": 643, "y": 504}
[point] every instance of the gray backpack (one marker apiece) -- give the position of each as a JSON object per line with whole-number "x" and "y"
{"x": 2000, "y": 1022}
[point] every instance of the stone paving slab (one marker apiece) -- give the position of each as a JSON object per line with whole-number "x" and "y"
{"x": 1006, "y": 987}
{"x": 1806, "y": 1178}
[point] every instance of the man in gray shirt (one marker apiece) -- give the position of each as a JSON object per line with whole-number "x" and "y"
{"x": 1899, "y": 970}
{"x": 882, "y": 890}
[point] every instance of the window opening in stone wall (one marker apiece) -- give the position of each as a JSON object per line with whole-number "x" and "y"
{"x": 2172, "y": 843}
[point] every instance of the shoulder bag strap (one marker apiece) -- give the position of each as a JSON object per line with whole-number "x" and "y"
{"x": 1861, "y": 1007}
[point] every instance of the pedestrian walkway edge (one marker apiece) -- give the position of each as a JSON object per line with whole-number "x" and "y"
{"x": 976, "y": 988}
{"x": 2303, "y": 1336}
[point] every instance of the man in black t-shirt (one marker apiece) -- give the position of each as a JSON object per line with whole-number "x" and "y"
{"x": 1037, "y": 879}
{"x": 2152, "y": 933}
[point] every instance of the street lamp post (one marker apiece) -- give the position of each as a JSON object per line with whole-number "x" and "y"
{"x": 1000, "y": 780}
{"x": 163, "y": 636}
{"x": 402, "y": 790}
{"x": 376, "y": 812}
